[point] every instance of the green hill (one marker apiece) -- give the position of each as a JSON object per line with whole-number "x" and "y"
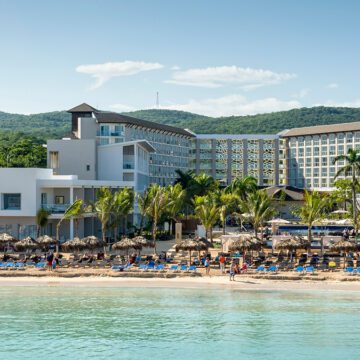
{"x": 57, "y": 124}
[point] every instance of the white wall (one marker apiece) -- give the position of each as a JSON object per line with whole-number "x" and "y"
{"x": 110, "y": 162}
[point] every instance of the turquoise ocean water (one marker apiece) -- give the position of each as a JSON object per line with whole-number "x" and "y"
{"x": 130, "y": 323}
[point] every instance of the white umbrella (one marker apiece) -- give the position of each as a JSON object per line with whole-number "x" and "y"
{"x": 278, "y": 221}
{"x": 340, "y": 211}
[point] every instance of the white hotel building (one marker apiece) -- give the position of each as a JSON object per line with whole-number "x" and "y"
{"x": 116, "y": 151}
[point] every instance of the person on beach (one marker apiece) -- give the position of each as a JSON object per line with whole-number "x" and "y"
{"x": 54, "y": 263}
{"x": 222, "y": 263}
{"x": 233, "y": 270}
{"x": 49, "y": 260}
{"x": 207, "y": 266}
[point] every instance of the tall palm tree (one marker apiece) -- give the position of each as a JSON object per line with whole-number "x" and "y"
{"x": 158, "y": 205}
{"x": 176, "y": 197}
{"x": 259, "y": 208}
{"x": 351, "y": 167}
{"x": 122, "y": 206}
{"x": 227, "y": 205}
{"x": 103, "y": 208}
{"x": 72, "y": 211}
{"x": 204, "y": 184}
{"x": 143, "y": 201}
{"x": 314, "y": 209}
{"x": 207, "y": 210}
{"x": 42, "y": 218}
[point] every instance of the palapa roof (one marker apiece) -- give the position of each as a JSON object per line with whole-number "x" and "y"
{"x": 126, "y": 244}
{"x": 294, "y": 242}
{"x": 45, "y": 240}
{"x": 343, "y": 245}
{"x": 6, "y": 238}
{"x": 193, "y": 244}
{"x": 27, "y": 243}
{"x": 92, "y": 241}
{"x": 322, "y": 129}
{"x": 75, "y": 244}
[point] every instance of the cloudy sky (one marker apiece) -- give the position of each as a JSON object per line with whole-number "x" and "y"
{"x": 228, "y": 57}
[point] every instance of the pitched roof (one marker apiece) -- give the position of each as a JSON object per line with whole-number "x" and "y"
{"x": 111, "y": 117}
{"x": 322, "y": 129}
{"x": 82, "y": 108}
{"x": 290, "y": 192}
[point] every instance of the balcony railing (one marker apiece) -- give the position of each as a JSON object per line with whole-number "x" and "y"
{"x": 128, "y": 165}
{"x": 55, "y": 208}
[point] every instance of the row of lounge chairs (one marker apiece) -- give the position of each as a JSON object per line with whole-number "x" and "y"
{"x": 159, "y": 267}
{"x": 274, "y": 269}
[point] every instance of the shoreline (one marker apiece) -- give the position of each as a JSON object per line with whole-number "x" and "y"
{"x": 212, "y": 283}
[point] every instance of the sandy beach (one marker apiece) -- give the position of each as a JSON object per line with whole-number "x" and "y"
{"x": 214, "y": 282}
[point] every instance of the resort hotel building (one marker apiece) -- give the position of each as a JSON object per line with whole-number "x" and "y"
{"x": 106, "y": 149}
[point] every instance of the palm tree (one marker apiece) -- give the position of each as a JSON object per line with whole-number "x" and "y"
{"x": 42, "y": 218}
{"x": 176, "y": 196}
{"x": 72, "y": 211}
{"x": 314, "y": 209}
{"x": 242, "y": 187}
{"x": 122, "y": 206}
{"x": 207, "y": 210}
{"x": 103, "y": 208}
{"x": 351, "y": 167}
{"x": 226, "y": 203}
{"x": 158, "y": 205}
{"x": 204, "y": 184}
{"x": 143, "y": 201}
{"x": 259, "y": 208}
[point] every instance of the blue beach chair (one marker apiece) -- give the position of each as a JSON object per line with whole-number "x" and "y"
{"x": 183, "y": 268}
{"x": 351, "y": 270}
{"x": 261, "y": 268}
{"x": 20, "y": 266}
{"x": 173, "y": 268}
{"x": 160, "y": 267}
{"x": 310, "y": 270}
{"x": 272, "y": 269}
{"x": 192, "y": 268}
{"x": 40, "y": 266}
{"x": 299, "y": 269}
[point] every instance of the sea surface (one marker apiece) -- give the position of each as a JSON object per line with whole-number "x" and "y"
{"x": 148, "y": 323}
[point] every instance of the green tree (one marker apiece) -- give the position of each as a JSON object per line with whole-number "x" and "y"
{"x": 158, "y": 206}
{"x": 103, "y": 208}
{"x": 227, "y": 203}
{"x": 143, "y": 201}
{"x": 258, "y": 206}
{"x": 122, "y": 206}
{"x": 207, "y": 211}
{"x": 352, "y": 168}
{"x": 72, "y": 211}
{"x": 176, "y": 196}
{"x": 242, "y": 187}
{"x": 314, "y": 209}
{"x": 42, "y": 218}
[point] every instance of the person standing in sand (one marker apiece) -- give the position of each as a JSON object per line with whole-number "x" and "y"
{"x": 222, "y": 263}
{"x": 233, "y": 267}
{"x": 207, "y": 266}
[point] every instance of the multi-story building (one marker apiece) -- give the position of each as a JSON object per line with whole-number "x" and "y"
{"x": 226, "y": 157}
{"x": 308, "y": 153}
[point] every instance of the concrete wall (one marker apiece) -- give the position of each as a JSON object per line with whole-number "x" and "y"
{"x": 110, "y": 162}
{"x": 87, "y": 128}
{"x": 74, "y": 157}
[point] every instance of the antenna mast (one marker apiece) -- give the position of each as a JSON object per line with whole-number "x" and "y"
{"x": 157, "y": 100}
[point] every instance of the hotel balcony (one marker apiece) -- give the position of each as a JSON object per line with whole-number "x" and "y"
{"x": 55, "y": 208}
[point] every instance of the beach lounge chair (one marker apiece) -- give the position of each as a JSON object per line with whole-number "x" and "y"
{"x": 300, "y": 269}
{"x": 173, "y": 268}
{"x": 116, "y": 267}
{"x": 357, "y": 271}
{"x": 183, "y": 268}
{"x": 160, "y": 267}
{"x": 310, "y": 270}
{"x": 20, "y": 266}
{"x": 40, "y": 266}
{"x": 142, "y": 267}
{"x": 10, "y": 266}
{"x": 261, "y": 268}
{"x": 192, "y": 268}
{"x": 128, "y": 267}
{"x": 2, "y": 266}
{"x": 350, "y": 270}
{"x": 272, "y": 269}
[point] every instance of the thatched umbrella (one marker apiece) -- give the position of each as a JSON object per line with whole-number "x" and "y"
{"x": 45, "y": 240}
{"x": 26, "y": 244}
{"x": 126, "y": 244}
{"x": 197, "y": 244}
{"x": 145, "y": 243}
{"x": 93, "y": 242}
{"x": 293, "y": 243}
{"x": 73, "y": 245}
{"x": 6, "y": 239}
{"x": 343, "y": 245}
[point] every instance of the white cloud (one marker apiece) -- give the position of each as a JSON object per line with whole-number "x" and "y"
{"x": 235, "y": 104}
{"x": 355, "y": 103}
{"x": 218, "y": 76}
{"x": 332, "y": 86}
{"x": 104, "y": 72}
{"x": 175, "y": 67}
{"x": 122, "y": 107}
{"x": 301, "y": 94}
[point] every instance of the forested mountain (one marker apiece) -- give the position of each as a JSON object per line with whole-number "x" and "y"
{"x": 57, "y": 124}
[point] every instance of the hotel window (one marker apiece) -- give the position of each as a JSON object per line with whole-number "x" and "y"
{"x": 349, "y": 137}
{"x": 54, "y": 160}
{"x": 301, "y": 152}
{"x": 59, "y": 200}
{"x": 324, "y": 161}
{"x": 316, "y": 183}
{"x": 293, "y": 153}
{"x": 323, "y": 182}
{"x": 308, "y": 183}
{"x": 316, "y": 161}
{"x": 316, "y": 172}
{"x": 308, "y": 141}
{"x": 316, "y": 151}
{"x": 300, "y": 141}
{"x": 11, "y": 201}
{"x": 340, "y": 138}
{"x": 357, "y": 136}
{"x": 308, "y": 162}
{"x": 332, "y": 138}
{"x": 308, "y": 172}
{"x": 324, "y": 172}
{"x": 341, "y": 150}
{"x": 104, "y": 130}
{"x": 323, "y": 139}
{"x": 43, "y": 198}
{"x": 332, "y": 171}
{"x": 87, "y": 167}
{"x": 308, "y": 151}
{"x": 316, "y": 140}
{"x": 324, "y": 150}
{"x": 332, "y": 150}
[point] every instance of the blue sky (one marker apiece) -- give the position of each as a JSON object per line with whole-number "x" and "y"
{"x": 228, "y": 57}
